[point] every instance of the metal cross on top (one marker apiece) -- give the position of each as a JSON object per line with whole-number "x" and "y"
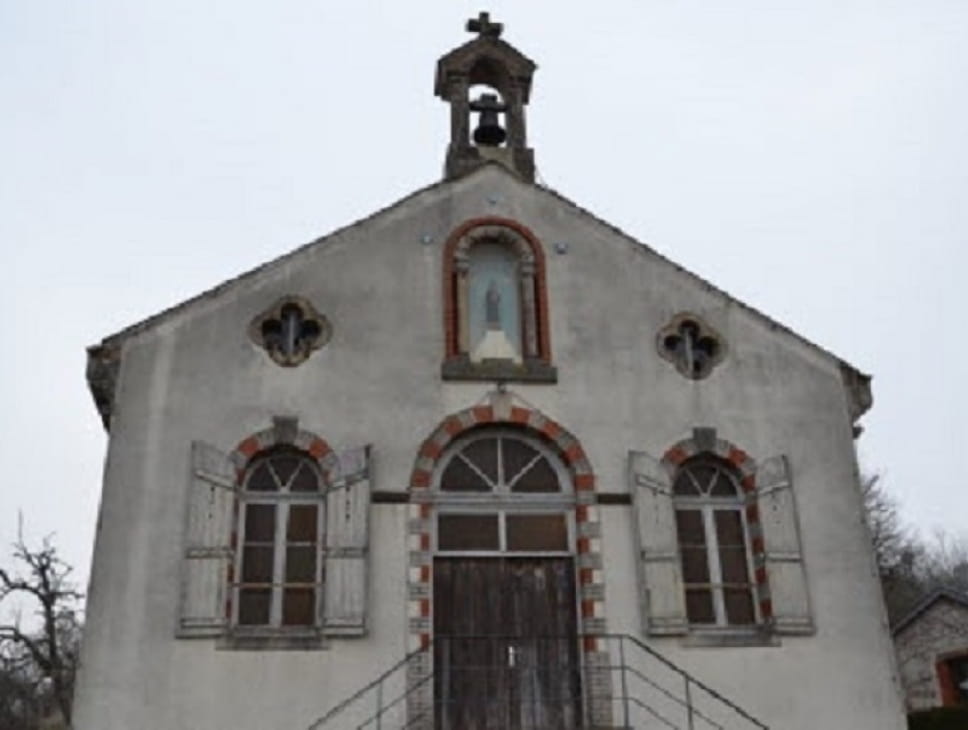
{"x": 483, "y": 26}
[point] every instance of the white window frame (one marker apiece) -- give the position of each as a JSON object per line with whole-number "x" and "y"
{"x": 707, "y": 506}
{"x": 282, "y": 500}
{"x": 502, "y": 501}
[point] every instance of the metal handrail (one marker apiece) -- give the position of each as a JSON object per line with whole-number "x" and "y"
{"x": 702, "y": 685}
{"x": 627, "y": 667}
{"x": 335, "y": 710}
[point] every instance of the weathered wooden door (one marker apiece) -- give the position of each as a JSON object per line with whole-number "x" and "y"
{"x": 506, "y": 644}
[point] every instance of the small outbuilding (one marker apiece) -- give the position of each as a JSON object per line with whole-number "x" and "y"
{"x": 932, "y": 651}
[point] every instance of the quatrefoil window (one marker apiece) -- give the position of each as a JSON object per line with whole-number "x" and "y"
{"x": 290, "y": 330}
{"x": 691, "y": 345}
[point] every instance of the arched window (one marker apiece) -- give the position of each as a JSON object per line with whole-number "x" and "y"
{"x": 496, "y": 314}
{"x": 500, "y": 490}
{"x": 282, "y": 520}
{"x": 713, "y": 543}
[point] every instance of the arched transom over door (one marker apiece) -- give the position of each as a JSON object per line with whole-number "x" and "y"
{"x": 505, "y": 606}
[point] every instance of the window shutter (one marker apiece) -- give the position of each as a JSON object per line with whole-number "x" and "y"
{"x": 785, "y": 570}
{"x": 661, "y": 594}
{"x": 347, "y": 545}
{"x": 208, "y": 543}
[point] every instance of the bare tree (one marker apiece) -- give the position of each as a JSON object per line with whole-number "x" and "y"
{"x": 41, "y": 663}
{"x": 910, "y": 567}
{"x": 901, "y": 556}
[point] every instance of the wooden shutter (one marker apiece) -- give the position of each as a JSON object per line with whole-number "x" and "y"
{"x": 661, "y": 595}
{"x": 208, "y": 543}
{"x": 785, "y": 569}
{"x": 347, "y": 545}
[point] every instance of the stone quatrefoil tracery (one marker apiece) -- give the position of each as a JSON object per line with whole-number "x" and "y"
{"x": 290, "y": 330}
{"x": 691, "y": 345}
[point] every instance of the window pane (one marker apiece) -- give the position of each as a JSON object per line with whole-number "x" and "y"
{"x": 260, "y": 522}
{"x": 483, "y": 455}
{"x": 260, "y": 480}
{"x": 703, "y": 475}
{"x": 539, "y": 478}
{"x": 699, "y": 606}
{"x": 302, "y": 523}
{"x": 537, "y": 532}
{"x": 298, "y": 606}
{"x": 684, "y": 485}
{"x": 695, "y": 566}
{"x": 739, "y": 606}
{"x": 257, "y": 564}
{"x": 515, "y": 455}
{"x": 733, "y": 562}
{"x": 723, "y": 486}
{"x": 285, "y": 465}
{"x": 306, "y": 479}
{"x": 458, "y": 477}
{"x": 254, "y": 606}
{"x": 467, "y": 532}
{"x": 729, "y": 528}
{"x": 301, "y": 564}
{"x": 690, "y": 528}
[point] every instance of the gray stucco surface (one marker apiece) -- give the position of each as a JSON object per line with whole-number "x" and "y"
{"x": 195, "y": 374}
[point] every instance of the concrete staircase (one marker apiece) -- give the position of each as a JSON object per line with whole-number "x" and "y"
{"x": 622, "y": 684}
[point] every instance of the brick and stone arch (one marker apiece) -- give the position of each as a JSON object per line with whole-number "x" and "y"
{"x": 705, "y": 442}
{"x": 501, "y": 412}
{"x": 535, "y": 337}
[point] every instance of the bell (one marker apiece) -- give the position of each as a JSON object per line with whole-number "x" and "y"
{"x": 489, "y": 132}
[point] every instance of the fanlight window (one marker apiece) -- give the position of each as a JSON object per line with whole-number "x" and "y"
{"x": 713, "y": 544}
{"x": 282, "y": 523}
{"x": 503, "y": 464}
{"x": 503, "y": 492}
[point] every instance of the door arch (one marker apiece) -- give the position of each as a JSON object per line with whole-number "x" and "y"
{"x": 505, "y": 628}
{"x": 576, "y": 499}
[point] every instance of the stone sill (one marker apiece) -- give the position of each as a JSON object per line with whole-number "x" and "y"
{"x": 726, "y": 638}
{"x": 271, "y": 639}
{"x": 530, "y": 371}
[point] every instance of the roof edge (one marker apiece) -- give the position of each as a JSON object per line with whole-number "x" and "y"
{"x": 104, "y": 357}
{"x": 856, "y": 382}
{"x": 926, "y": 602}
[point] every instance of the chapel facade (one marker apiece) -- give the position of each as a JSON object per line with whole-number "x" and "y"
{"x": 480, "y": 461}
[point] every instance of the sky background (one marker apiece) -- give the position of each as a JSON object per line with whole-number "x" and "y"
{"x": 808, "y": 157}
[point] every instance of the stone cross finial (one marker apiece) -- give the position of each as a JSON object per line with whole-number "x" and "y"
{"x": 483, "y": 26}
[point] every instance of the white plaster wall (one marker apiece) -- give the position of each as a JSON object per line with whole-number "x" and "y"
{"x": 195, "y": 375}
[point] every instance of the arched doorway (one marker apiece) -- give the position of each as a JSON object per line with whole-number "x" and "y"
{"x": 505, "y": 606}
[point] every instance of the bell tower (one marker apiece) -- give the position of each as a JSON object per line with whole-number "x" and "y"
{"x": 489, "y": 78}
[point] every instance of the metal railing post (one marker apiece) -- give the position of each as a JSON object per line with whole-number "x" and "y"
{"x": 625, "y": 684}
{"x": 690, "y": 723}
{"x": 379, "y": 705}
{"x": 445, "y": 682}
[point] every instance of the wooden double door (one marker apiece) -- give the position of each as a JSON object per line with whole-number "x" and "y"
{"x": 506, "y": 653}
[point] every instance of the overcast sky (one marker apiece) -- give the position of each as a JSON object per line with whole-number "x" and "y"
{"x": 808, "y": 157}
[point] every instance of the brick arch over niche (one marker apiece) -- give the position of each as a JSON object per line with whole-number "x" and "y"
{"x": 588, "y": 527}
{"x": 529, "y": 253}
{"x": 704, "y": 441}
